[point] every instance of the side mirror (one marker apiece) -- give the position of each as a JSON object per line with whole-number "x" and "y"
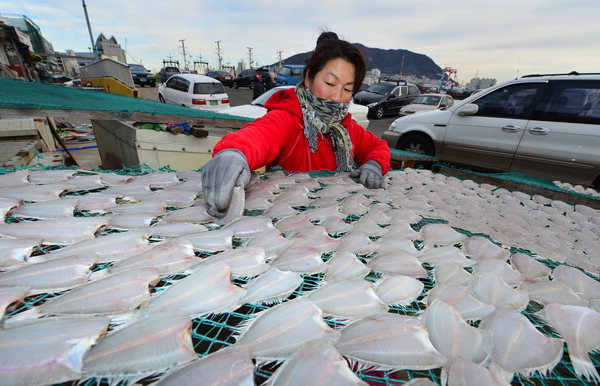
{"x": 468, "y": 109}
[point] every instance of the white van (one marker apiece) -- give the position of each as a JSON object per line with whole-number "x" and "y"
{"x": 195, "y": 91}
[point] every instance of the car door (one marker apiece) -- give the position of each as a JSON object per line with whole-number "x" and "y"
{"x": 171, "y": 89}
{"x": 490, "y": 137}
{"x": 184, "y": 96}
{"x": 562, "y": 141}
{"x": 394, "y": 101}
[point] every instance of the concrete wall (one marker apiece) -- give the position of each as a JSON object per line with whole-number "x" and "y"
{"x": 108, "y": 67}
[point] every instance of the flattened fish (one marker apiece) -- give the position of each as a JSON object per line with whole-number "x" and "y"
{"x": 61, "y": 232}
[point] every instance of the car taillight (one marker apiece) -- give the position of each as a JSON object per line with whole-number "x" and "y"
{"x": 224, "y": 100}
{"x": 257, "y": 75}
{"x": 199, "y": 101}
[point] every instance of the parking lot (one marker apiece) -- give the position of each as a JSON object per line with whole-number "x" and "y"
{"x": 241, "y": 96}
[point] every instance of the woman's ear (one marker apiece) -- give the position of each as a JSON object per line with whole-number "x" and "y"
{"x": 307, "y": 81}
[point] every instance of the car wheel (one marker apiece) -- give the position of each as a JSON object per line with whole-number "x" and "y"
{"x": 234, "y": 85}
{"x": 161, "y": 99}
{"x": 417, "y": 143}
{"x": 379, "y": 112}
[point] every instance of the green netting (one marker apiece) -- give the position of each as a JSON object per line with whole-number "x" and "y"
{"x": 214, "y": 332}
{"x": 20, "y": 94}
{"x": 411, "y": 154}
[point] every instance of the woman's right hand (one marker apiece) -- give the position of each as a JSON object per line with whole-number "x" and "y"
{"x": 220, "y": 175}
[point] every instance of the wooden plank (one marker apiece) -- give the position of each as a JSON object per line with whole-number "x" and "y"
{"x": 73, "y": 115}
{"x": 69, "y": 161}
{"x": 43, "y": 129}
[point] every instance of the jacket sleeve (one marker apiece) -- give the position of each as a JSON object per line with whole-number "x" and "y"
{"x": 261, "y": 140}
{"x": 367, "y": 146}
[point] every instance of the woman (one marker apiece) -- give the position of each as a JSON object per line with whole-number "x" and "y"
{"x": 306, "y": 128}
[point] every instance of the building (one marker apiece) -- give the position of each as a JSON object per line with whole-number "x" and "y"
{"x": 110, "y": 48}
{"x": 16, "y": 60}
{"x": 477, "y": 83}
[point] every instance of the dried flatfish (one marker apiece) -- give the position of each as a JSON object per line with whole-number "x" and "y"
{"x": 449, "y": 333}
{"x": 356, "y": 242}
{"x": 529, "y": 267}
{"x": 13, "y": 179}
{"x": 546, "y": 291}
{"x": 146, "y": 346}
{"x": 322, "y": 214}
{"x": 61, "y": 232}
{"x": 32, "y": 192}
{"x": 144, "y": 207}
{"x": 460, "y": 298}
{"x": 280, "y": 210}
{"x": 480, "y": 248}
{"x": 52, "y": 276}
{"x": 131, "y": 221}
{"x": 50, "y": 176}
{"x": 175, "y": 229}
{"x": 293, "y": 222}
{"x": 47, "y": 351}
{"x": 355, "y": 204}
{"x": 296, "y": 196}
{"x": 300, "y": 260}
{"x": 247, "y": 226}
{"x": 387, "y": 244}
{"x": 14, "y": 252}
{"x": 168, "y": 257}
{"x": 491, "y": 289}
{"x": 271, "y": 240}
{"x": 11, "y": 295}
{"x": 314, "y": 236}
{"x": 51, "y": 209}
{"x": 348, "y": 299}
{"x": 440, "y": 234}
{"x": 579, "y": 327}
{"x": 208, "y": 290}
{"x": 403, "y": 230}
{"x": 345, "y": 265}
{"x": 228, "y": 366}
{"x": 171, "y": 197}
{"x": 107, "y": 248}
{"x": 499, "y": 268}
{"x": 451, "y": 273}
{"x": 211, "y": 241}
{"x": 441, "y": 255}
{"x": 315, "y": 362}
{"x": 195, "y": 214}
{"x": 236, "y": 206}
{"x": 389, "y": 341}
{"x": 466, "y": 373}
{"x": 518, "y": 346}
{"x": 402, "y": 215}
{"x": 244, "y": 262}
{"x": 7, "y": 204}
{"x": 398, "y": 290}
{"x": 335, "y": 225}
{"x": 583, "y": 285}
{"x": 278, "y": 332}
{"x": 397, "y": 263}
{"x": 372, "y": 228}
{"x": 272, "y": 286}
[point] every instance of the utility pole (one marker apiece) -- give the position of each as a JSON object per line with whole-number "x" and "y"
{"x": 185, "y": 66}
{"x": 219, "y": 54}
{"x": 279, "y": 57}
{"x": 250, "y": 57}
{"x": 87, "y": 20}
{"x": 402, "y": 67}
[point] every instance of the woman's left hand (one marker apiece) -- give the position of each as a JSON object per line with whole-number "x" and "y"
{"x": 368, "y": 174}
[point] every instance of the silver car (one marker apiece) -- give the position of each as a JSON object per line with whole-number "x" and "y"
{"x": 547, "y": 126}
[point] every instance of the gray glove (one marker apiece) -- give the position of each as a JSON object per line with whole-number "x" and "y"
{"x": 220, "y": 175}
{"x": 368, "y": 174}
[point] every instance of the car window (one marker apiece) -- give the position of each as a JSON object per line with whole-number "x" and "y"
{"x": 508, "y": 102}
{"x": 396, "y": 91}
{"x": 297, "y": 71}
{"x": 172, "y": 83}
{"x": 413, "y": 90}
{"x": 576, "y": 102}
{"x": 380, "y": 88}
{"x": 285, "y": 71}
{"x": 209, "y": 88}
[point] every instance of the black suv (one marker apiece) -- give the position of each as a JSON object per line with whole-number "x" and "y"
{"x": 141, "y": 76}
{"x": 166, "y": 72}
{"x": 222, "y": 76}
{"x": 386, "y": 97}
{"x": 248, "y": 78}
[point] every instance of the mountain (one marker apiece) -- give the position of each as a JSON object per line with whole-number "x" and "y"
{"x": 389, "y": 62}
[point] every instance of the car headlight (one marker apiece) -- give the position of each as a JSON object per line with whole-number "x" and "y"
{"x": 393, "y": 126}
{"x": 372, "y": 104}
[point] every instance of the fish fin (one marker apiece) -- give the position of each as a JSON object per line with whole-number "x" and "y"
{"x": 584, "y": 368}
{"x": 358, "y": 365}
{"x": 268, "y": 362}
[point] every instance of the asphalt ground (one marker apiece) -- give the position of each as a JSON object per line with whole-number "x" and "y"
{"x": 242, "y": 96}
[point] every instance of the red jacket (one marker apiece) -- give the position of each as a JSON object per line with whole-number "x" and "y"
{"x": 277, "y": 139}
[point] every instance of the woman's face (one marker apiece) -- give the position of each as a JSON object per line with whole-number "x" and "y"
{"x": 335, "y": 81}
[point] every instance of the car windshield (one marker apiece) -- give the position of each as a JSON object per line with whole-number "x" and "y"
{"x": 429, "y": 100}
{"x": 380, "y": 88}
{"x": 209, "y": 88}
{"x": 137, "y": 67}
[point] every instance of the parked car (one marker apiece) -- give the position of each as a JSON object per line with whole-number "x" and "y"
{"x": 142, "y": 76}
{"x": 256, "y": 108}
{"x": 427, "y": 102}
{"x": 547, "y": 126}
{"x": 225, "y": 77}
{"x": 195, "y": 91}
{"x": 166, "y": 72}
{"x": 289, "y": 74}
{"x": 386, "y": 98}
{"x": 249, "y": 77}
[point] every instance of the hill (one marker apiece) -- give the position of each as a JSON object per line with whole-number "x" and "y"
{"x": 389, "y": 62}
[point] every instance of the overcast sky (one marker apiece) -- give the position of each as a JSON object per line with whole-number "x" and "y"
{"x": 492, "y": 39}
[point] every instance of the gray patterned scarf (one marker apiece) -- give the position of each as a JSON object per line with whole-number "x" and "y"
{"x": 324, "y": 116}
